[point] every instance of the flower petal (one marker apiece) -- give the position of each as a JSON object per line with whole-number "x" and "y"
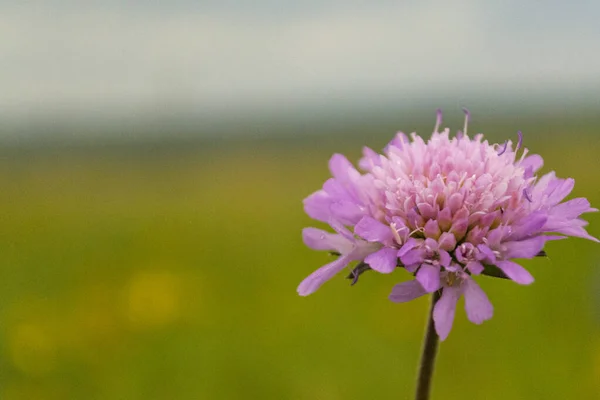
{"x": 320, "y": 276}
{"x": 444, "y": 310}
{"x": 515, "y": 272}
{"x": 529, "y": 225}
{"x": 337, "y": 190}
{"x": 487, "y": 253}
{"x": 410, "y": 244}
{"x": 429, "y": 277}
{"x": 477, "y": 304}
{"x": 342, "y": 169}
{"x": 527, "y": 248}
{"x": 384, "y": 260}
{"x": 346, "y": 211}
{"x": 532, "y": 162}
{"x": 372, "y": 230}
{"x": 558, "y": 189}
{"x": 541, "y": 185}
{"x": 317, "y": 206}
{"x": 571, "y": 228}
{"x": 475, "y": 267}
{"x": 318, "y": 239}
{"x": 407, "y": 291}
{"x": 414, "y": 256}
{"x": 572, "y": 208}
{"x": 341, "y": 229}
{"x": 445, "y": 258}
{"x": 447, "y": 241}
{"x": 370, "y": 159}
{"x": 432, "y": 229}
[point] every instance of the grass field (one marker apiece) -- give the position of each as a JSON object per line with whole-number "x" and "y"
{"x": 169, "y": 272}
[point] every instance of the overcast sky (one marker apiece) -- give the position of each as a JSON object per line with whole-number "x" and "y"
{"x": 61, "y": 56}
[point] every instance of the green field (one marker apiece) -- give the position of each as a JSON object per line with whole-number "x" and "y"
{"x": 170, "y": 272}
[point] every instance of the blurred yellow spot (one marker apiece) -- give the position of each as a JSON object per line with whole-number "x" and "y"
{"x": 153, "y": 299}
{"x": 32, "y": 349}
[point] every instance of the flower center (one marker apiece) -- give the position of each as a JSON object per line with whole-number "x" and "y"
{"x": 452, "y": 278}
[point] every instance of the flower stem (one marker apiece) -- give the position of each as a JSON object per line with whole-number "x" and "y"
{"x": 430, "y": 347}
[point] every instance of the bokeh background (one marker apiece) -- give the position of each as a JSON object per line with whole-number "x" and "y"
{"x": 153, "y": 160}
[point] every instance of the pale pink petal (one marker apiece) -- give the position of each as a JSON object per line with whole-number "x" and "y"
{"x": 337, "y": 190}
{"x": 370, "y": 159}
{"x": 372, "y": 230}
{"x": 410, "y": 244}
{"x": 542, "y": 184}
{"x": 317, "y": 206}
{"x": 320, "y": 276}
{"x": 407, "y": 291}
{"x": 444, "y": 310}
{"x": 342, "y": 169}
{"x": 558, "y": 189}
{"x": 429, "y": 277}
{"x": 384, "y": 260}
{"x": 572, "y": 229}
{"x": 527, "y": 248}
{"x": 572, "y": 208}
{"x": 487, "y": 252}
{"x": 341, "y": 229}
{"x": 475, "y": 267}
{"x": 432, "y": 229}
{"x": 414, "y": 256}
{"x": 445, "y": 258}
{"x": 447, "y": 241}
{"x": 515, "y": 272}
{"x": 319, "y": 239}
{"x": 346, "y": 211}
{"x": 494, "y": 237}
{"x": 432, "y": 244}
{"x": 531, "y": 224}
{"x": 533, "y": 162}
{"x": 477, "y": 305}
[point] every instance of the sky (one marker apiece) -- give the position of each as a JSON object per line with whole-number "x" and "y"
{"x": 109, "y": 59}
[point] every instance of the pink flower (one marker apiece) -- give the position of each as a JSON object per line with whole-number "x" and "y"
{"x": 444, "y": 210}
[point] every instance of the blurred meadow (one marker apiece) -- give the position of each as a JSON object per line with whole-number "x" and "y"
{"x": 167, "y": 270}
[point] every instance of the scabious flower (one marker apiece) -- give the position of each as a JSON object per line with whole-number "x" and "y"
{"x": 444, "y": 210}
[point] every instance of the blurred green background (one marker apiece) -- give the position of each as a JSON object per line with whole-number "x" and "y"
{"x": 168, "y": 270}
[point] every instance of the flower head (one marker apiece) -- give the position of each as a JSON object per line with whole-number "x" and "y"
{"x": 445, "y": 210}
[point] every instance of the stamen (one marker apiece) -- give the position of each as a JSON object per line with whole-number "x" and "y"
{"x": 438, "y": 120}
{"x": 520, "y": 142}
{"x": 524, "y": 154}
{"x": 467, "y": 119}
{"x": 527, "y": 195}
{"x": 395, "y": 233}
{"x": 504, "y": 148}
{"x": 416, "y": 230}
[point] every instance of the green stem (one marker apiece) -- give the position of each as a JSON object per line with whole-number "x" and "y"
{"x": 430, "y": 347}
